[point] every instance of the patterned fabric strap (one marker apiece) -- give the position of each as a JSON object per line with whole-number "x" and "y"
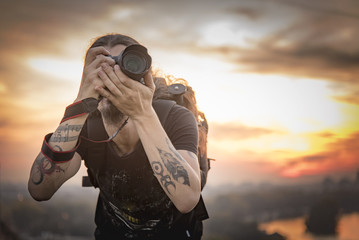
{"x": 80, "y": 108}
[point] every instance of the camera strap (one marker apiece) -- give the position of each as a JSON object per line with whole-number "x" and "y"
{"x": 56, "y": 156}
{"x": 74, "y": 110}
{"x": 80, "y": 108}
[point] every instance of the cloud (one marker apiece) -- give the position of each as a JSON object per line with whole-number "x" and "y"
{"x": 322, "y": 46}
{"x": 235, "y": 131}
{"x": 342, "y": 156}
{"x": 43, "y": 26}
{"x": 326, "y": 7}
{"x": 241, "y": 167}
{"x": 279, "y": 54}
{"x": 249, "y": 12}
{"x": 326, "y": 134}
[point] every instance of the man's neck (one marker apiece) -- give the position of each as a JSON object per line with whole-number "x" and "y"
{"x": 126, "y": 139}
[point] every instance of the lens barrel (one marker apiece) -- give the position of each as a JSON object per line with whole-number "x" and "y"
{"x": 134, "y": 61}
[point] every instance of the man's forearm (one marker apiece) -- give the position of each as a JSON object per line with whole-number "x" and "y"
{"x": 178, "y": 175}
{"x": 67, "y": 134}
{"x": 46, "y": 174}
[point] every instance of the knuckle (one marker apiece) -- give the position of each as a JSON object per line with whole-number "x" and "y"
{"x": 110, "y": 60}
{"x": 90, "y": 52}
{"x": 106, "y": 68}
{"x": 112, "y": 88}
{"x": 125, "y": 80}
{"x": 93, "y": 51}
{"x": 99, "y": 57}
{"x": 100, "y": 74}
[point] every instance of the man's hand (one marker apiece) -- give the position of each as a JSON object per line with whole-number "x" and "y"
{"x": 129, "y": 96}
{"x": 90, "y": 79}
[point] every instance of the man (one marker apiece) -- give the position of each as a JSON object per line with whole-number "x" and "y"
{"x": 148, "y": 174}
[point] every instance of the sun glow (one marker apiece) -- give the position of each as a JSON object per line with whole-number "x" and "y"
{"x": 296, "y": 105}
{"x": 70, "y": 70}
{"x": 222, "y": 33}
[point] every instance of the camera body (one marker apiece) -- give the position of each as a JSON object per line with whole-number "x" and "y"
{"x": 134, "y": 61}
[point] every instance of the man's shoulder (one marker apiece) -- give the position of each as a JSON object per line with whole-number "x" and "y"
{"x": 169, "y": 111}
{"x": 181, "y": 113}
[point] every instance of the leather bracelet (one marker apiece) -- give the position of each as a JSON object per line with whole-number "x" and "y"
{"x": 80, "y": 108}
{"x": 56, "y": 156}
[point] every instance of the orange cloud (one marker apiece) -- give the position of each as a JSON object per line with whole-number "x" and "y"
{"x": 244, "y": 166}
{"x": 343, "y": 155}
{"x": 236, "y": 131}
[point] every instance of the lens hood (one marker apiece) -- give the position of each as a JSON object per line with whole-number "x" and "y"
{"x": 134, "y": 61}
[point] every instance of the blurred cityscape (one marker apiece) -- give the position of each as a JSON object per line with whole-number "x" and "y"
{"x": 237, "y": 212}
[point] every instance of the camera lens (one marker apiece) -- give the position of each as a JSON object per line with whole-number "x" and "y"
{"x": 134, "y": 62}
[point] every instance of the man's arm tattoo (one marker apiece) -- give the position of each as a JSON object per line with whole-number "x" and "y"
{"x": 41, "y": 167}
{"x": 62, "y": 133}
{"x": 166, "y": 180}
{"x": 173, "y": 166}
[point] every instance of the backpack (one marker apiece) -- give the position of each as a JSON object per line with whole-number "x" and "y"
{"x": 162, "y": 108}
{"x": 176, "y": 92}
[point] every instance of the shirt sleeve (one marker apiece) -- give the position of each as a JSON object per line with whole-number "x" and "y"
{"x": 181, "y": 128}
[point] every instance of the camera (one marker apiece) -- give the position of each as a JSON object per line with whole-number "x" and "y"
{"x": 134, "y": 61}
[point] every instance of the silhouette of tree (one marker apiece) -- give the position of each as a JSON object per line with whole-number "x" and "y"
{"x": 357, "y": 179}
{"x": 328, "y": 183}
{"x": 323, "y": 218}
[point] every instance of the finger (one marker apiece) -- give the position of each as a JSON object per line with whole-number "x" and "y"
{"x": 94, "y": 75}
{"x": 93, "y": 52}
{"x": 112, "y": 75}
{"x": 100, "y": 59}
{"x": 103, "y": 92}
{"x": 109, "y": 84}
{"x": 149, "y": 80}
{"x": 125, "y": 80}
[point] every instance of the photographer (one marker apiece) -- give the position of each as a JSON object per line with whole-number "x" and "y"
{"x": 147, "y": 173}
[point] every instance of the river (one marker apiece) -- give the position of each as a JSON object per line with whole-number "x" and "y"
{"x": 294, "y": 229}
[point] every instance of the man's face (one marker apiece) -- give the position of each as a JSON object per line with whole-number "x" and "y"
{"x": 107, "y": 109}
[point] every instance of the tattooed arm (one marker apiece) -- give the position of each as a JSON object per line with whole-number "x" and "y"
{"x": 46, "y": 177}
{"x": 176, "y": 170}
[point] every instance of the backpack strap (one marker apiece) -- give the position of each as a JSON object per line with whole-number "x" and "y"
{"x": 204, "y": 162}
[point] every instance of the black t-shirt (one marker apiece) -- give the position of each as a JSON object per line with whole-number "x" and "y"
{"x": 131, "y": 197}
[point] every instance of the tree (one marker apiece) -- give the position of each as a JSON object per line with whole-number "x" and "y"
{"x": 323, "y": 218}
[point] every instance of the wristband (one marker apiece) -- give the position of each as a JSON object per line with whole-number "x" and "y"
{"x": 80, "y": 108}
{"x": 56, "y": 156}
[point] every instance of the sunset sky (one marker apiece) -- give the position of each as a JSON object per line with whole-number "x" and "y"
{"x": 277, "y": 79}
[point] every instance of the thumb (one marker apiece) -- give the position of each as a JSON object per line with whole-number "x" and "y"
{"x": 149, "y": 80}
